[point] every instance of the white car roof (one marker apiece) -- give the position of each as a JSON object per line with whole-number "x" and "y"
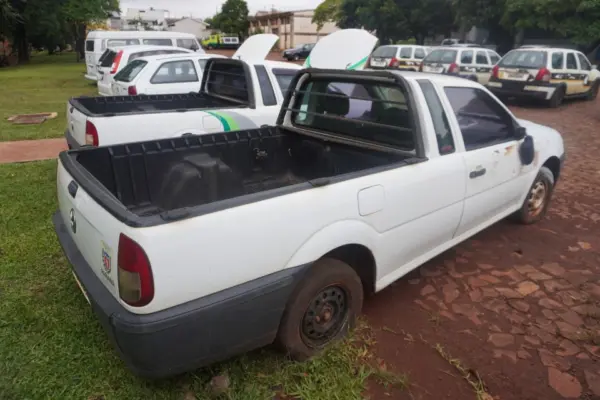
{"x": 444, "y": 80}
{"x": 161, "y": 57}
{"x": 543, "y": 49}
{"x": 138, "y": 34}
{"x": 147, "y": 47}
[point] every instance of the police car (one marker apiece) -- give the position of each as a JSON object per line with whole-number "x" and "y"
{"x": 468, "y": 61}
{"x": 546, "y": 74}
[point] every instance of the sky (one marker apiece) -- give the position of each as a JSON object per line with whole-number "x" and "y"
{"x": 207, "y": 8}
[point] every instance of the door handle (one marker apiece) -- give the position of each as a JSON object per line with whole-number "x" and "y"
{"x": 477, "y": 173}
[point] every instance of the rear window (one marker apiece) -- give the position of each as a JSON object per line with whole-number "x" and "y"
{"x": 130, "y": 71}
{"x": 103, "y": 56}
{"x": 107, "y": 58}
{"x": 372, "y": 111}
{"x": 158, "y": 42}
{"x": 284, "y": 78}
{"x": 442, "y": 56}
{"x": 175, "y": 72}
{"x": 89, "y": 45}
{"x": 524, "y": 59}
{"x": 228, "y": 79}
{"x": 385, "y": 51}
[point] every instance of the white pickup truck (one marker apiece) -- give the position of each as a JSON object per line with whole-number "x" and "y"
{"x": 195, "y": 249}
{"x": 240, "y": 93}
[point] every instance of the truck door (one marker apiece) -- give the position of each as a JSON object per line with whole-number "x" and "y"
{"x": 491, "y": 156}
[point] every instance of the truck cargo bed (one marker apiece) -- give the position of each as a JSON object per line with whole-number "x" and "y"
{"x": 168, "y": 178}
{"x": 120, "y": 105}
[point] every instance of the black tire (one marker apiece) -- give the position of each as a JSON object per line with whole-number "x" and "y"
{"x": 531, "y": 211}
{"x": 593, "y": 92}
{"x": 321, "y": 310}
{"x": 557, "y": 97}
{"x": 296, "y": 57}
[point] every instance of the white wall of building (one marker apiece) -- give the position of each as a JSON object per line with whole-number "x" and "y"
{"x": 193, "y": 26}
{"x": 155, "y": 19}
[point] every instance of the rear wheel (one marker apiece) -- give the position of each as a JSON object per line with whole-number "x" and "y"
{"x": 296, "y": 57}
{"x": 593, "y": 92}
{"x": 321, "y": 310}
{"x": 557, "y": 98}
{"x": 538, "y": 199}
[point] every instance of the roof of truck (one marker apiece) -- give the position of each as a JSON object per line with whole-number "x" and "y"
{"x": 160, "y": 57}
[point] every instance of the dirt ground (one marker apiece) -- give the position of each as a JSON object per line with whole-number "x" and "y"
{"x": 517, "y": 306}
{"x": 513, "y": 313}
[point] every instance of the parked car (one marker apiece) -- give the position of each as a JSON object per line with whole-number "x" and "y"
{"x": 162, "y": 235}
{"x": 162, "y": 74}
{"x": 97, "y": 42}
{"x": 221, "y": 41}
{"x": 239, "y": 93}
{"x": 547, "y": 74}
{"x": 300, "y": 52}
{"x": 115, "y": 59}
{"x": 455, "y": 42}
{"x": 405, "y": 57}
{"x": 470, "y": 63}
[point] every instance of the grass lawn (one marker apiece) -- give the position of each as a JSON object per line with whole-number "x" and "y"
{"x": 44, "y": 85}
{"x": 52, "y": 347}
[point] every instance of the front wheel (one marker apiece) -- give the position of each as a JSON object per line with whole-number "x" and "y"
{"x": 593, "y": 92}
{"x": 321, "y": 310}
{"x": 538, "y": 198}
{"x": 296, "y": 57}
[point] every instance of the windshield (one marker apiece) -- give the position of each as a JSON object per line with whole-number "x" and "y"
{"x": 130, "y": 71}
{"x": 441, "y": 56}
{"x": 385, "y": 51}
{"x": 524, "y": 59}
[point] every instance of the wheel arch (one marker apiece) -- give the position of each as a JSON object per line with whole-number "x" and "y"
{"x": 553, "y": 164}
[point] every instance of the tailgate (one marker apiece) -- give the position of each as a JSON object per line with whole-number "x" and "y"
{"x": 76, "y": 121}
{"x": 517, "y": 74}
{"x": 94, "y": 230}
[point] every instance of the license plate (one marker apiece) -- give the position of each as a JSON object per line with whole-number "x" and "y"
{"x": 378, "y": 63}
{"x": 514, "y": 75}
{"x": 81, "y": 288}
{"x": 433, "y": 69}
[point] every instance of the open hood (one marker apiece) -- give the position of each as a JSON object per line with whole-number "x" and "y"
{"x": 256, "y": 47}
{"x": 344, "y": 49}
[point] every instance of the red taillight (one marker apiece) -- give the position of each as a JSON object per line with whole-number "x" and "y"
{"x": 421, "y": 67}
{"x": 543, "y": 75}
{"x": 132, "y": 90}
{"x": 369, "y": 61}
{"x": 116, "y": 62}
{"x": 453, "y": 68}
{"x": 394, "y": 62}
{"x": 136, "y": 285}
{"x": 91, "y": 134}
{"x": 495, "y": 71}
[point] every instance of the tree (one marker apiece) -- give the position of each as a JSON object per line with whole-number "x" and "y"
{"x": 327, "y": 11}
{"x": 489, "y": 14}
{"x": 233, "y": 18}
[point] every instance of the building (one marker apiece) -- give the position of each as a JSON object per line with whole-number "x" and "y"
{"x": 292, "y": 27}
{"x": 141, "y": 19}
{"x": 114, "y": 21}
{"x": 195, "y": 26}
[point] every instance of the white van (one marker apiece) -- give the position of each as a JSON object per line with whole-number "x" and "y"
{"x": 97, "y": 42}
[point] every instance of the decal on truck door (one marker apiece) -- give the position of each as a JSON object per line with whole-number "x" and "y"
{"x": 107, "y": 262}
{"x": 233, "y": 121}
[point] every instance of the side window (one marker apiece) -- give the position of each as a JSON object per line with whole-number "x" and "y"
{"x": 419, "y": 53}
{"x": 89, "y": 45}
{"x": 175, "y": 72}
{"x": 584, "y": 63}
{"x": 482, "y": 120}
{"x": 571, "y": 63}
{"x": 466, "y": 57}
{"x": 202, "y": 64}
{"x": 558, "y": 60}
{"x": 189, "y": 44}
{"x": 406, "y": 52}
{"x": 481, "y": 58}
{"x": 159, "y": 42}
{"x": 122, "y": 42}
{"x": 266, "y": 87}
{"x": 494, "y": 58}
{"x": 443, "y": 133}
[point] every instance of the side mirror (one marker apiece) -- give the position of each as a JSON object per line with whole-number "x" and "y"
{"x": 527, "y": 151}
{"x": 520, "y": 133}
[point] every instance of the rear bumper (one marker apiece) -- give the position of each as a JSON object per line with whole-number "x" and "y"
{"x": 71, "y": 140}
{"x": 190, "y": 335}
{"x": 525, "y": 90}
{"x": 91, "y": 77}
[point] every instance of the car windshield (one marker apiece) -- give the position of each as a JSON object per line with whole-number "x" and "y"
{"x": 385, "y": 51}
{"x": 524, "y": 59}
{"x": 441, "y": 56}
{"x": 130, "y": 71}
